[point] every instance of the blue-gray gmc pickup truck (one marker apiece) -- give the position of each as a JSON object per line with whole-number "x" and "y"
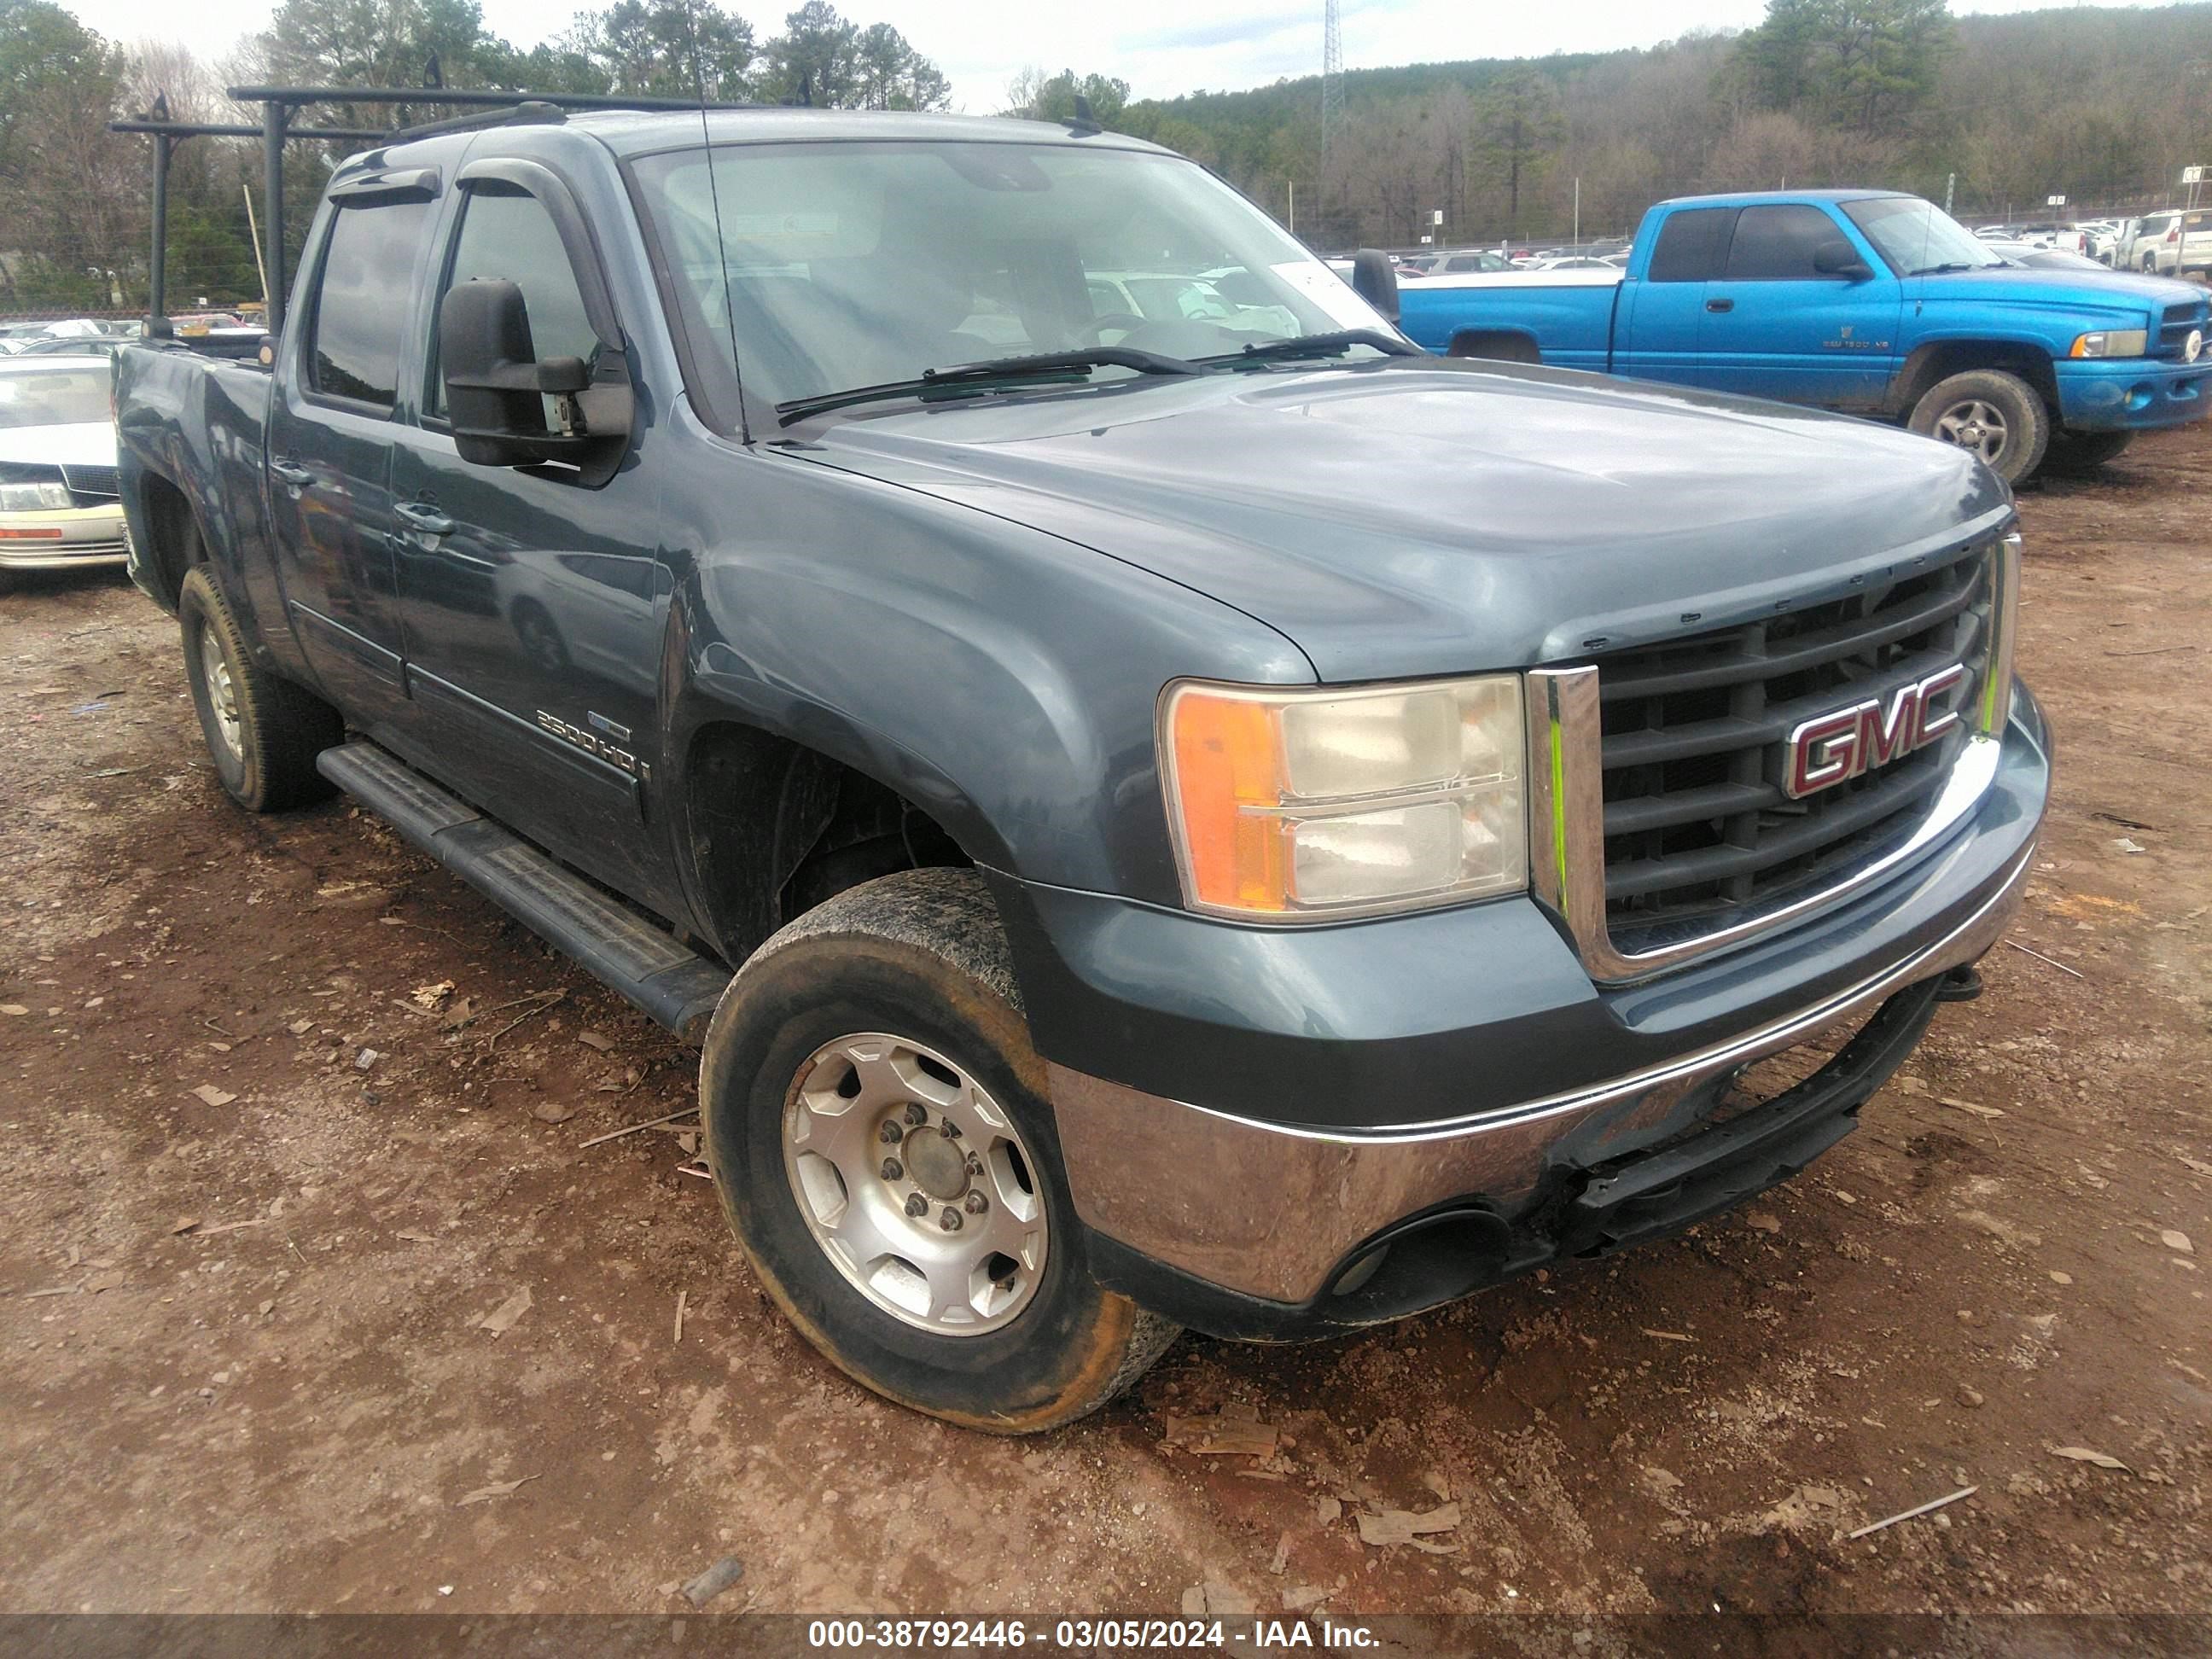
{"x": 1862, "y": 301}
{"x": 1160, "y": 813}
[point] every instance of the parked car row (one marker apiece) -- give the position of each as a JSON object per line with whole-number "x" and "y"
{"x": 2169, "y": 242}
{"x": 1610, "y": 253}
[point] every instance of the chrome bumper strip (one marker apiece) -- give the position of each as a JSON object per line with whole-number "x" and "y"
{"x": 1269, "y": 1210}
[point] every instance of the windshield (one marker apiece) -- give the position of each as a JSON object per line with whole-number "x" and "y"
{"x": 856, "y": 264}
{"x": 1913, "y": 236}
{"x": 54, "y": 397}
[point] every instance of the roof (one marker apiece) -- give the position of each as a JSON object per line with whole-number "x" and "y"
{"x": 1751, "y": 197}
{"x": 641, "y": 132}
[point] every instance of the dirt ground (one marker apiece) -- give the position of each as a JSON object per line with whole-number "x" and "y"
{"x": 247, "y": 1267}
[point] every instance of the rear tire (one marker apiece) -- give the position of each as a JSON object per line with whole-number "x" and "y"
{"x": 2078, "y": 454}
{"x": 262, "y": 732}
{"x": 1998, "y": 416}
{"x": 838, "y": 1056}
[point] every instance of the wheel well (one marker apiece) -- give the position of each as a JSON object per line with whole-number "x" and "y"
{"x": 1503, "y": 345}
{"x": 173, "y": 533}
{"x": 773, "y": 828}
{"x": 1944, "y": 358}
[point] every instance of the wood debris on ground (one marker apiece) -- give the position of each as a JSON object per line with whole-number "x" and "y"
{"x": 1389, "y": 1526}
{"x": 2085, "y": 1454}
{"x": 1222, "y": 1435}
{"x": 497, "y": 1489}
{"x": 1927, "y": 1508}
{"x": 500, "y": 1320}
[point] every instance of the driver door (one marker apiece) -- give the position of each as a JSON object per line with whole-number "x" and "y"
{"x": 1775, "y": 326}
{"x": 535, "y": 603}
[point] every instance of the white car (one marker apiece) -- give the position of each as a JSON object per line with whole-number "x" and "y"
{"x": 2171, "y": 242}
{"x": 58, "y": 504}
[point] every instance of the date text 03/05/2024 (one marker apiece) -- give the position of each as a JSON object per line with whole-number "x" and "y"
{"x": 1086, "y": 1635}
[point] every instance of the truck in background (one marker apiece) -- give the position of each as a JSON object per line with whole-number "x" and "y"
{"x": 1862, "y": 301}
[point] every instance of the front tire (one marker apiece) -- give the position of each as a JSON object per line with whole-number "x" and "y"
{"x": 2078, "y": 454}
{"x": 879, "y": 1134}
{"x": 1997, "y": 416}
{"x": 262, "y": 732}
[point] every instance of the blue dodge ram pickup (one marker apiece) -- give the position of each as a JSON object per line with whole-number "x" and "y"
{"x": 1868, "y": 302}
{"x": 1213, "y": 818}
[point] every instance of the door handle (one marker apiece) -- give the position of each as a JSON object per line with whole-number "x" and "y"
{"x": 1720, "y": 305}
{"x": 425, "y": 520}
{"x": 290, "y": 473}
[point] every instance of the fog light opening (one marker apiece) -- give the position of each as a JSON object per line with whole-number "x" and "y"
{"x": 1360, "y": 1272}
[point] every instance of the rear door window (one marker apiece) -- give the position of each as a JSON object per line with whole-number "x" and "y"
{"x": 363, "y": 299}
{"x": 1775, "y": 244}
{"x": 1693, "y": 244}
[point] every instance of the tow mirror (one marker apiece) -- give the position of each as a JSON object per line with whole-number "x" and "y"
{"x": 1840, "y": 259}
{"x": 496, "y": 388}
{"x": 1375, "y": 279}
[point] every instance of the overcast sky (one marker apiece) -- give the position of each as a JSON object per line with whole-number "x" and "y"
{"x": 1160, "y": 47}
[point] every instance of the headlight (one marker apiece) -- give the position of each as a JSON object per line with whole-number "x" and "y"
{"x": 32, "y": 498}
{"x": 2112, "y": 343}
{"x": 1291, "y": 806}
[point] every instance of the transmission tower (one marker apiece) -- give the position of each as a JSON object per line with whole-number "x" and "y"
{"x": 1331, "y": 74}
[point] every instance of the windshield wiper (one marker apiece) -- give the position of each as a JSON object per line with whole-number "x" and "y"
{"x": 1319, "y": 345}
{"x": 1955, "y": 265}
{"x": 1071, "y": 366}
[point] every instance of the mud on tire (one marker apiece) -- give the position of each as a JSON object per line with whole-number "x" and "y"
{"x": 262, "y": 731}
{"x": 1996, "y": 415}
{"x": 837, "y": 1057}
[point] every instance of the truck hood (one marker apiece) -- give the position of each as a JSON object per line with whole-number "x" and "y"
{"x": 2094, "y": 297}
{"x": 1424, "y": 516}
{"x": 89, "y": 443}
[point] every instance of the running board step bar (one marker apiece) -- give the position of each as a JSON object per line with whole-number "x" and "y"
{"x": 642, "y": 963}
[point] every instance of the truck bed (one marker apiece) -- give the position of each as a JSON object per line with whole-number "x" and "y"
{"x": 1569, "y": 312}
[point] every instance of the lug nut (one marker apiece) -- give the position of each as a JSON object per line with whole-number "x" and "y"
{"x": 915, "y": 1114}
{"x": 893, "y": 1170}
{"x": 950, "y": 1220}
{"x": 977, "y": 1203}
{"x": 890, "y": 1134}
{"x": 916, "y": 1205}
{"x": 974, "y": 1164}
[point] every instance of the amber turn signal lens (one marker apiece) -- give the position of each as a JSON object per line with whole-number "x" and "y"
{"x": 1225, "y": 751}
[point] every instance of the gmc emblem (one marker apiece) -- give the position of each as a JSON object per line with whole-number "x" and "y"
{"x": 1828, "y": 749}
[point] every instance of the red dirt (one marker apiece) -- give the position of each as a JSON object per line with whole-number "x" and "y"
{"x": 288, "y": 1405}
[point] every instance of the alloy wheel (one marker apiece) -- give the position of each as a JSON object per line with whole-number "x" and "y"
{"x": 221, "y": 693}
{"x": 1972, "y": 424}
{"x": 915, "y": 1184}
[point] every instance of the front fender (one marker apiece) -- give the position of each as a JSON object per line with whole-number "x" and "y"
{"x": 1001, "y": 680}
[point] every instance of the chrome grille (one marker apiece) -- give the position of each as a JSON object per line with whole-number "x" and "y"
{"x": 92, "y": 484}
{"x": 1698, "y": 830}
{"x": 2173, "y": 330}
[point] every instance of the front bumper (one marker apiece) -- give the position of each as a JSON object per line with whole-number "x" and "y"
{"x": 1458, "y": 1091}
{"x": 66, "y": 538}
{"x": 2132, "y": 393}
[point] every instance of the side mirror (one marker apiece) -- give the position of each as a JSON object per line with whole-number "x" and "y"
{"x": 496, "y": 387}
{"x": 1375, "y": 279}
{"x": 1840, "y": 259}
